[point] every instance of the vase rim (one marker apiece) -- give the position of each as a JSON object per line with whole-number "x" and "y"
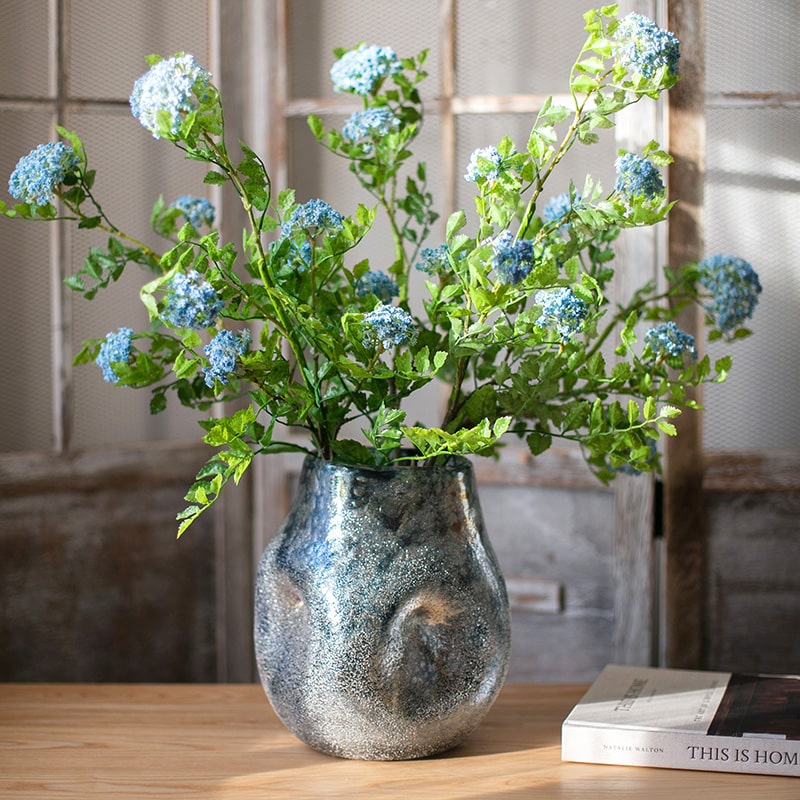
{"x": 454, "y": 463}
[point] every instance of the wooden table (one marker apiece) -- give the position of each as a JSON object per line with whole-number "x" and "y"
{"x": 223, "y": 741}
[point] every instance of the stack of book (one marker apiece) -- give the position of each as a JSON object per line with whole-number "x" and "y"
{"x": 686, "y": 719}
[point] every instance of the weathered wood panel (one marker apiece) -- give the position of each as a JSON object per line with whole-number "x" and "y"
{"x": 753, "y": 581}
{"x": 558, "y": 542}
{"x": 685, "y": 535}
{"x": 94, "y": 585}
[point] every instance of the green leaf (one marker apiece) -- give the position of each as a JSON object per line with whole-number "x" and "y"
{"x": 667, "y": 427}
{"x": 455, "y": 223}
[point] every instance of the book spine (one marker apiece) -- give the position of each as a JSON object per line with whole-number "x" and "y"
{"x": 678, "y": 750}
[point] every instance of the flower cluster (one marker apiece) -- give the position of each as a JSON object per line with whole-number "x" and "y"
{"x": 512, "y": 259}
{"x": 197, "y": 210}
{"x": 638, "y": 177}
{"x": 361, "y": 70}
{"x": 40, "y": 173}
{"x": 667, "y": 340}
{"x": 734, "y": 286}
{"x": 223, "y": 352}
{"x": 377, "y": 283}
{"x": 192, "y": 302}
{"x": 370, "y": 123}
{"x": 387, "y": 327}
{"x": 314, "y": 217}
{"x": 485, "y": 163}
{"x": 168, "y": 92}
{"x": 644, "y": 48}
{"x": 513, "y": 310}
{"x": 434, "y": 260}
{"x": 563, "y": 310}
{"x": 115, "y": 349}
{"x": 559, "y": 207}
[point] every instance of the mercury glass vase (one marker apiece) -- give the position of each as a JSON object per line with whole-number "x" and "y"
{"x": 382, "y": 626}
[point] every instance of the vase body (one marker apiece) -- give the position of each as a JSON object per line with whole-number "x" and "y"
{"x": 382, "y": 626}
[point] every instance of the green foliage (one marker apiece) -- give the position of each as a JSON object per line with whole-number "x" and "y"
{"x": 313, "y": 364}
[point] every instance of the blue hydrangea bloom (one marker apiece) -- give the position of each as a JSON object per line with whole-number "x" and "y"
{"x": 223, "y": 352}
{"x": 512, "y": 259}
{"x": 116, "y": 348}
{"x": 197, "y": 210}
{"x": 563, "y": 310}
{"x": 667, "y": 340}
{"x": 476, "y": 170}
{"x": 435, "y": 260}
{"x": 36, "y": 176}
{"x": 558, "y": 207}
{"x": 372, "y": 122}
{"x": 644, "y": 48}
{"x": 377, "y": 283}
{"x": 388, "y": 326}
{"x": 314, "y": 217}
{"x": 359, "y": 71}
{"x": 167, "y": 92}
{"x": 638, "y": 177}
{"x": 192, "y": 302}
{"x": 735, "y": 287}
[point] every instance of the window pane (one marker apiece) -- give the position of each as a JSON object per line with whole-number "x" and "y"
{"x": 133, "y": 168}
{"x": 752, "y": 206}
{"x": 112, "y": 39}
{"x": 24, "y": 49}
{"x": 25, "y": 362}
{"x": 345, "y": 25}
{"x": 752, "y": 47}
{"x": 501, "y": 49}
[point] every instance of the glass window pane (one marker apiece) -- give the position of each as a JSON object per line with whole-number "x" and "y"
{"x": 133, "y": 168}
{"x": 501, "y": 49}
{"x": 112, "y": 39}
{"x": 752, "y": 205}
{"x": 25, "y": 50}
{"x": 25, "y": 360}
{"x": 345, "y": 25}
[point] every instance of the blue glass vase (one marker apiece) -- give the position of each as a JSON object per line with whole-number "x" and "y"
{"x": 382, "y": 627}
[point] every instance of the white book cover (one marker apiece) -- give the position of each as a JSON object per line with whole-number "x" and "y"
{"x": 687, "y": 719}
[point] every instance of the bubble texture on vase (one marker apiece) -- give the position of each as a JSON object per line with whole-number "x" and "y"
{"x": 382, "y": 625}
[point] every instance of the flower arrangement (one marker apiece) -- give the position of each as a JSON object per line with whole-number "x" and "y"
{"x": 515, "y": 314}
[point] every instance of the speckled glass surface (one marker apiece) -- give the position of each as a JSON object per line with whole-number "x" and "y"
{"x": 382, "y": 626}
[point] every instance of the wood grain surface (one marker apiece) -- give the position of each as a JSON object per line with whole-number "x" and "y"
{"x": 82, "y": 741}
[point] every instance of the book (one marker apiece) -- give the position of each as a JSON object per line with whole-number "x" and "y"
{"x": 687, "y": 719}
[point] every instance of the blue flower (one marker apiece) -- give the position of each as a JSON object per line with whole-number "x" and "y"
{"x": 368, "y": 124}
{"x": 314, "y": 217}
{"x": 512, "y": 259}
{"x": 197, "y": 210}
{"x": 563, "y": 310}
{"x": 735, "y": 287}
{"x": 388, "y": 326}
{"x": 644, "y": 48}
{"x": 558, "y": 207}
{"x": 223, "y": 352}
{"x": 361, "y": 70}
{"x": 667, "y": 340}
{"x": 485, "y": 162}
{"x": 36, "y": 176}
{"x": 192, "y": 302}
{"x": 435, "y": 260}
{"x": 167, "y": 92}
{"x": 377, "y": 283}
{"x": 637, "y": 177}
{"x": 115, "y": 349}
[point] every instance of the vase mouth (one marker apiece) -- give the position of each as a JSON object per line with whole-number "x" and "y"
{"x": 413, "y": 461}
